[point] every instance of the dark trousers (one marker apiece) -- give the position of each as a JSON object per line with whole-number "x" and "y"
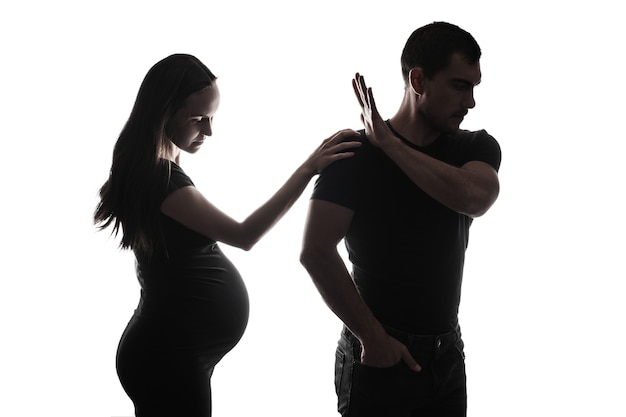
{"x": 438, "y": 390}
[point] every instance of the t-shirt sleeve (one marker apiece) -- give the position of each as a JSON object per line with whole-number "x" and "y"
{"x": 178, "y": 179}
{"x": 340, "y": 182}
{"x": 483, "y": 147}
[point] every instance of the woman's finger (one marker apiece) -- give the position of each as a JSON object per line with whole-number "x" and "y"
{"x": 344, "y": 145}
{"x": 339, "y": 136}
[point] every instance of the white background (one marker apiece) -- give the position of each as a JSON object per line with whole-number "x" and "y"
{"x": 541, "y": 309}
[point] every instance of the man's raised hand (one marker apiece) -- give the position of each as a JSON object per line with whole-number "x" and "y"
{"x": 376, "y": 129}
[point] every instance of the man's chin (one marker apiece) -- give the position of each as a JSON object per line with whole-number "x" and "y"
{"x": 449, "y": 126}
{"x": 450, "y": 129}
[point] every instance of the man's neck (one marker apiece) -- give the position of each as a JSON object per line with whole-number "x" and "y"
{"x": 410, "y": 124}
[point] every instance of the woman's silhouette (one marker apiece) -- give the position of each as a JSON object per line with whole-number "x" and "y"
{"x": 194, "y": 306}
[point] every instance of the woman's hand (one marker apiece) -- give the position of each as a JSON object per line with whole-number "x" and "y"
{"x": 376, "y": 130}
{"x": 332, "y": 149}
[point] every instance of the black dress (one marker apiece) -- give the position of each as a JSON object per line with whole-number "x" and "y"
{"x": 193, "y": 310}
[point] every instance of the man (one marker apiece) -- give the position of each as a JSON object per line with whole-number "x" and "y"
{"x": 404, "y": 204}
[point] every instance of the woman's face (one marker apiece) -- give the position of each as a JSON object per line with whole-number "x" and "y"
{"x": 194, "y": 121}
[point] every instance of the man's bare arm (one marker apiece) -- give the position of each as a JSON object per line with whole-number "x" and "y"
{"x": 327, "y": 224}
{"x": 471, "y": 189}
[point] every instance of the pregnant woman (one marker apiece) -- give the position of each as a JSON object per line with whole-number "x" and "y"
{"x": 193, "y": 307}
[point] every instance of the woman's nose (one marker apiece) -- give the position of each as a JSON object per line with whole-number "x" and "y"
{"x": 207, "y": 127}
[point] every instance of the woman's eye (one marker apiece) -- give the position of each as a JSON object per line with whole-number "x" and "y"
{"x": 201, "y": 119}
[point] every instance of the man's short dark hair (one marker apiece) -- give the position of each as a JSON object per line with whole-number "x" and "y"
{"x": 430, "y": 48}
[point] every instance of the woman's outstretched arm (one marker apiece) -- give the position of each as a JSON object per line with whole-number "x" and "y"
{"x": 189, "y": 207}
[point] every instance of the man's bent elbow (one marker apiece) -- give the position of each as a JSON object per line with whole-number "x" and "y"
{"x": 311, "y": 256}
{"x": 482, "y": 204}
{"x": 307, "y": 257}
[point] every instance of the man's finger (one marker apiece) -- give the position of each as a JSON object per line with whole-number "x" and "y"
{"x": 357, "y": 93}
{"x": 410, "y": 362}
{"x": 362, "y": 85}
{"x": 370, "y": 98}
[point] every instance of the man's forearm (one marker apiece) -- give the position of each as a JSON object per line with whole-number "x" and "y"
{"x": 336, "y": 287}
{"x": 469, "y": 190}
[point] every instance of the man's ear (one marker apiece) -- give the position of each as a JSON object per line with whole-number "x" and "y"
{"x": 416, "y": 80}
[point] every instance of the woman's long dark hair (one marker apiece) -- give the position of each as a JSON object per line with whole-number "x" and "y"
{"x": 139, "y": 174}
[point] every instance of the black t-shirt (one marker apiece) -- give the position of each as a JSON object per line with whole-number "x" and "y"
{"x": 193, "y": 285}
{"x": 407, "y": 250}
{"x": 179, "y": 240}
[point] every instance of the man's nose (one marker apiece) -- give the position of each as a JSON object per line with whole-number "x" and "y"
{"x": 469, "y": 101}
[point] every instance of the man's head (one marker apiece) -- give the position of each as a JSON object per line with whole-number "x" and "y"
{"x": 440, "y": 66}
{"x": 432, "y": 46}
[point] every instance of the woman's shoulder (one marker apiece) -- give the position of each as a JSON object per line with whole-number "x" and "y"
{"x": 177, "y": 178}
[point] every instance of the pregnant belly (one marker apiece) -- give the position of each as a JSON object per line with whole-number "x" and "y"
{"x": 196, "y": 311}
{"x": 200, "y": 295}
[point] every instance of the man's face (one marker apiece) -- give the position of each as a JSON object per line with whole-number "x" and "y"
{"x": 449, "y": 95}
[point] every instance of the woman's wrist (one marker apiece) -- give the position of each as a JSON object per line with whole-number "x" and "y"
{"x": 307, "y": 170}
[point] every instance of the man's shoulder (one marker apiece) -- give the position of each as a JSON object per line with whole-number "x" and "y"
{"x": 363, "y": 155}
{"x": 465, "y": 139}
{"x": 342, "y": 182}
{"x": 479, "y": 145}
{"x": 469, "y": 135}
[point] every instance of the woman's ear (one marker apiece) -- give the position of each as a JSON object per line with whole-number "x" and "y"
{"x": 416, "y": 80}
